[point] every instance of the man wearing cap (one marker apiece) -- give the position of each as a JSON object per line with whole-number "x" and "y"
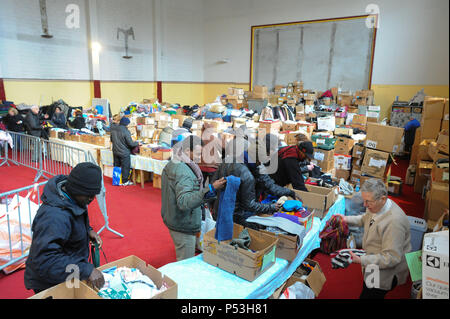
{"x": 292, "y": 163}
{"x": 122, "y": 146}
{"x": 61, "y": 231}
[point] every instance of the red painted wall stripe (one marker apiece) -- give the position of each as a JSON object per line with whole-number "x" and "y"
{"x": 159, "y": 91}
{"x": 97, "y": 90}
{"x": 2, "y": 90}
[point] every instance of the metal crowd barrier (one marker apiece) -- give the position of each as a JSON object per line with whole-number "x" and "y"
{"x": 15, "y": 221}
{"x": 26, "y": 152}
{"x": 55, "y": 159}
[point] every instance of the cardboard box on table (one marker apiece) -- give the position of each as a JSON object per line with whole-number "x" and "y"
{"x": 375, "y": 163}
{"x": 343, "y": 130}
{"x": 243, "y": 263}
{"x": 319, "y": 199}
{"x": 104, "y": 141}
{"x": 155, "y": 275}
{"x": 435, "y": 270}
{"x": 266, "y": 127}
{"x": 384, "y": 138}
{"x": 287, "y": 246}
{"x": 314, "y": 280}
{"x": 62, "y": 291}
{"x": 162, "y": 154}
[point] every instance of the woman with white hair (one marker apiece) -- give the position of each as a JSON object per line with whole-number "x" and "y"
{"x": 386, "y": 241}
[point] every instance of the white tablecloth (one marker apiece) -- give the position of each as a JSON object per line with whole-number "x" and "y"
{"x": 83, "y": 146}
{"x": 137, "y": 162}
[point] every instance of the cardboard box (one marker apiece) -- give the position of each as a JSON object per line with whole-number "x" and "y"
{"x": 439, "y": 226}
{"x": 343, "y": 130}
{"x": 433, "y": 108}
{"x": 384, "y": 138}
{"x": 445, "y": 124}
{"x": 443, "y": 142}
{"x": 155, "y": 275}
{"x": 340, "y": 121}
{"x": 314, "y": 280}
{"x": 243, "y": 263}
{"x": 162, "y": 154}
{"x": 440, "y": 175}
{"x": 287, "y": 246}
{"x": 341, "y": 173}
{"x": 289, "y": 126}
{"x": 420, "y": 182}
{"x": 435, "y": 270}
{"x": 344, "y": 145}
{"x": 359, "y": 119}
{"x": 375, "y": 163}
{"x": 160, "y": 116}
{"x": 61, "y": 291}
{"x": 318, "y": 198}
{"x": 156, "y": 181}
{"x": 270, "y": 126}
{"x": 438, "y": 201}
{"x": 325, "y": 166}
{"x": 322, "y": 156}
{"x": 358, "y": 151}
{"x": 145, "y": 151}
{"x": 433, "y": 152}
{"x": 430, "y": 128}
{"x": 260, "y": 89}
{"x": 342, "y": 162}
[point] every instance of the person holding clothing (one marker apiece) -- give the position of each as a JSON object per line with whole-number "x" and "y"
{"x": 61, "y": 230}
{"x": 183, "y": 195}
{"x": 253, "y": 184}
{"x": 386, "y": 240}
{"x": 293, "y": 162}
{"x": 122, "y": 146}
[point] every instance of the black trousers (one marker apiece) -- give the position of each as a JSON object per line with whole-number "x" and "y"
{"x": 374, "y": 293}
{"x": 124, "y": 162}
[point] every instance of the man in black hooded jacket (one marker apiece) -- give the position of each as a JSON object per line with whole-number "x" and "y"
{"x": 122, "y": 145}
{"x": 61, "y": 230}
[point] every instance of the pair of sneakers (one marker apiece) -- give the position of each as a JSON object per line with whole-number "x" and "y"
{"x": 129, "y": 183}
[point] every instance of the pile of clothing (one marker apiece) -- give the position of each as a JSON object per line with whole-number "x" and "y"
{"x": 128, "y": 283}
{"x": 343, "y": 259}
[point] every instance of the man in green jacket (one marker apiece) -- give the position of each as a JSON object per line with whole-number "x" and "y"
{"x": 182, "y": 195}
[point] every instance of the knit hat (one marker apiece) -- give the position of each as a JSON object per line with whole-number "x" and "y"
{"x": 124, "y": 121}
{"x": 85, "y": 179}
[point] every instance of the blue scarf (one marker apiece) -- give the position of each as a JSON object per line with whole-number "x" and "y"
{"x": 227, "y": 201}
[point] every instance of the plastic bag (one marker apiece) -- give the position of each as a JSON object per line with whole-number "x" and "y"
{"x": 207, "y": 225}
{"x": 117, "y": 176}
{"x": 298, "y": 291}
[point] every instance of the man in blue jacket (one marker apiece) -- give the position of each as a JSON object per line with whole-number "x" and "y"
{"x": 61, "y": 230}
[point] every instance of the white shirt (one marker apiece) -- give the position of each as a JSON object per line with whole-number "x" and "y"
{"x": 384, "y": 209}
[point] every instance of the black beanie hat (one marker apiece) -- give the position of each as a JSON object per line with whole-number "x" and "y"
{"x": 85, "y": 179}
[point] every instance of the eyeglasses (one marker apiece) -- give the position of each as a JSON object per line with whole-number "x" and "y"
{"x": 371, "y": 201}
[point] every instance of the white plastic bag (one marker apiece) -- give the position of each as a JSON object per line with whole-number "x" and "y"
{"x": 207, "y": 225}
{"x": 298, "y": 291}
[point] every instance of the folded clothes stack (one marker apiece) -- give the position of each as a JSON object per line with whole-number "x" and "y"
{"x": 128, "y": 283}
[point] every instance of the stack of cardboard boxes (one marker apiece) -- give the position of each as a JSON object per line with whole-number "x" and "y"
{"x": 235, "y": 97}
